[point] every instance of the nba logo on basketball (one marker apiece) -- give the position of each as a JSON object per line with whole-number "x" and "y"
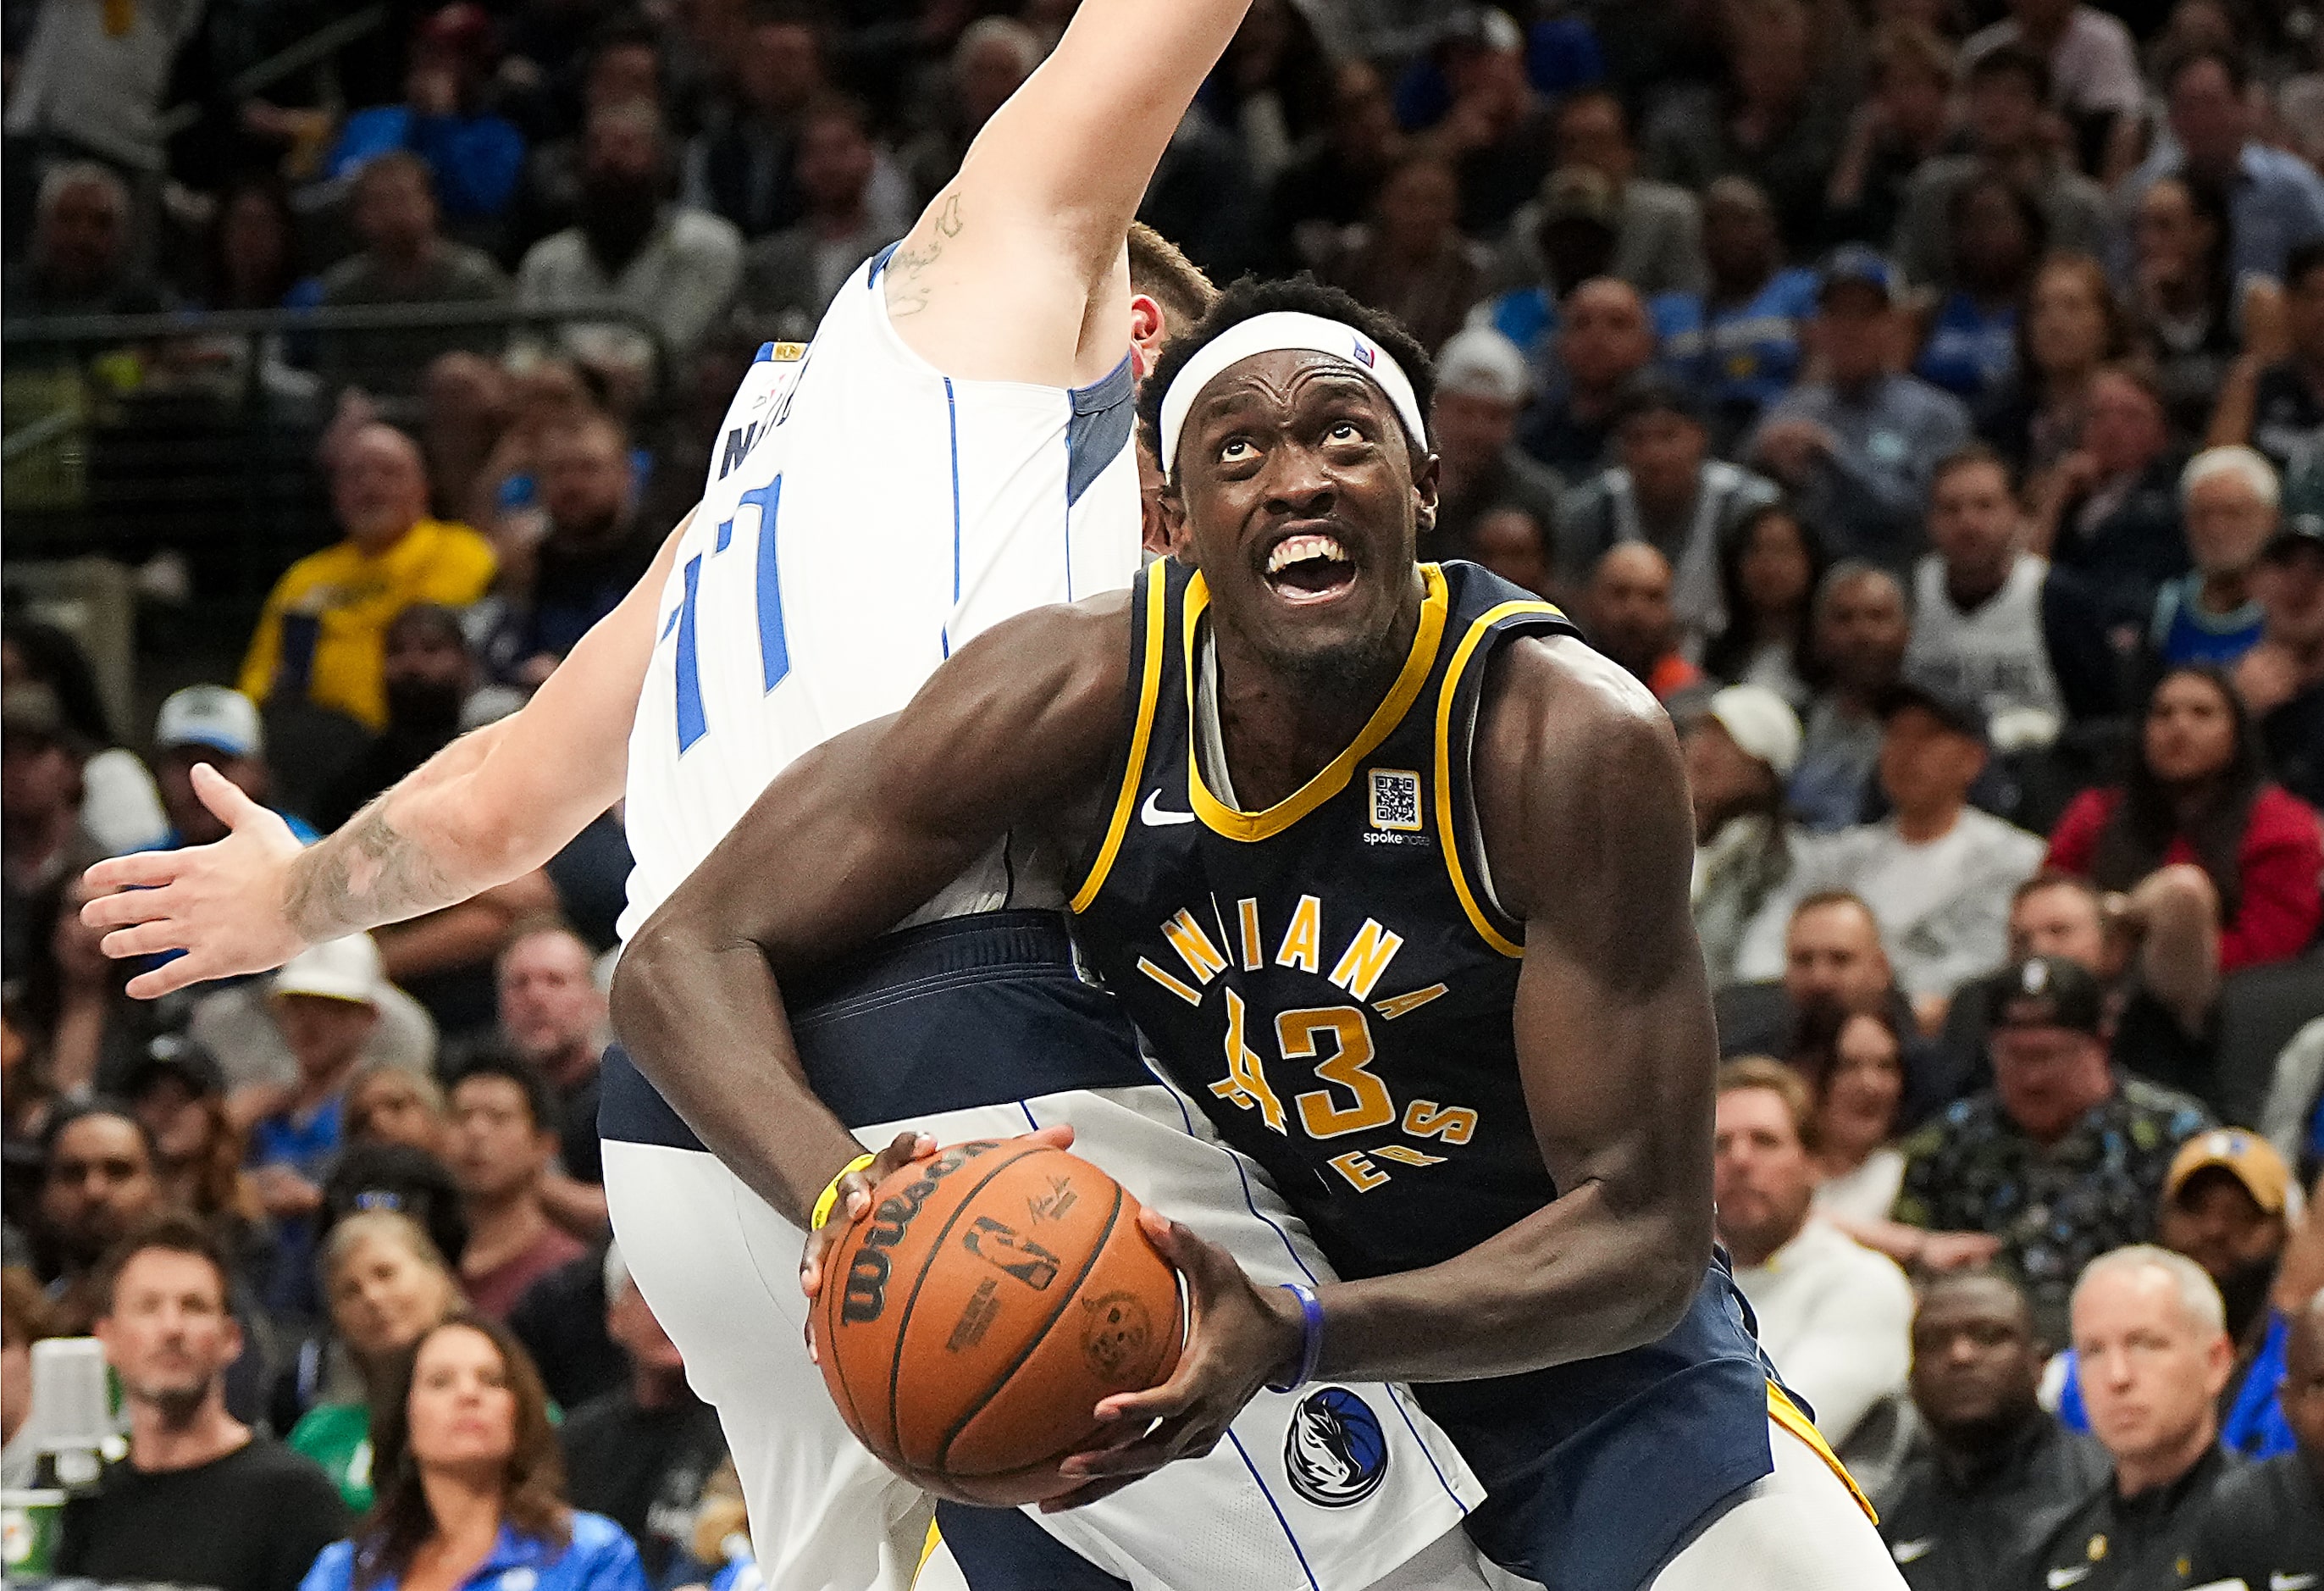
{"x": 1334, "y": 1452}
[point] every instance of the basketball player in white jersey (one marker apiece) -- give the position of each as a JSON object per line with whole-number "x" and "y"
{"x": 950, "y": 452}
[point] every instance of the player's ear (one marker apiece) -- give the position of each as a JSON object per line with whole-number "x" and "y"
{"x": 1147, "y": 332}
{"x": 1425, "y": 477}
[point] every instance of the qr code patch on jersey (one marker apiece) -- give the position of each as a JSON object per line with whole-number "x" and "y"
{"x": 1396, "y": 799}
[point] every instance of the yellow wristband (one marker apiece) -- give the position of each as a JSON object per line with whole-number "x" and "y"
{"x": 829, "y": 1196}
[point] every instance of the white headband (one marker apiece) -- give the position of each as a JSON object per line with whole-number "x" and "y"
{"x": 1279, "y": 329}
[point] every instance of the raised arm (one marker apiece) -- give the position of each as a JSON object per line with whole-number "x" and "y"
{"x": 489, "y": 807}
{"x": 844, "y": 845}
{"x": 1016, "y": 271}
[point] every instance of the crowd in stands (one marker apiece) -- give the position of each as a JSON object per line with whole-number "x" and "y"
{"x": 1923, "y": 398}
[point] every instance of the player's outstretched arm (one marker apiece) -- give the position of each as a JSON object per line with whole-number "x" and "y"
{"x": 844, "y": 845}
{"x": 490, "y": 807}
{"x": 1015, "y": 272}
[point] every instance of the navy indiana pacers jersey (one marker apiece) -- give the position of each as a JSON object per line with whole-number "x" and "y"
{"x": 1331, "y": 981}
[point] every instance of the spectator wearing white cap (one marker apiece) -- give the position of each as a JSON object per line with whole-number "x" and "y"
{"x": 1481, "y": 385}
{"x": 326, "y": 1001}
{"x": 1747, "y": 853}
{"x": 217, "y": 725}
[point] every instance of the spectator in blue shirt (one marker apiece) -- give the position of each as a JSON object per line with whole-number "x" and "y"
{"x": 1576, "y": 235}
{"x": 468, "y": 1474}
{"x": 219, "y": 725}
{"x": 1997, "y": 234}
{"x": 1737, "y": 346}
{"x": 476, "y": 156}
{"x": 2210, "y": 614}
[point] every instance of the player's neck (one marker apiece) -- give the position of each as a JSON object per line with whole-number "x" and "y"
{"x": 1280, "y": 730}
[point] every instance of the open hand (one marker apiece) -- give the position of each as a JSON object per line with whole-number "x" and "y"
{"x": 221, "y": 904}
{"x": 1241, "y": 1337}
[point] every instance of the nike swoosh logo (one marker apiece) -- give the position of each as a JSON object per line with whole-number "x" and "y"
{"x": 1152, "y": 815}
{"x": 1911, "y": 1552}
{"x": 2061, "y": 1578}
{"x": 2283, "y": 1582}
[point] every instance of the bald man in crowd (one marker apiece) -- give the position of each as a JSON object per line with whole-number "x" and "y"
{"x": 1629, "y": 616}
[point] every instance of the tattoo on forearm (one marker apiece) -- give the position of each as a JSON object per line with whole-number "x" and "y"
{"x": 366, "y": 875}
{"x": 907, "y": 293}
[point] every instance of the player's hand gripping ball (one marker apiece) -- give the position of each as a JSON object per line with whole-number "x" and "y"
{"x": 968, "y": 1326}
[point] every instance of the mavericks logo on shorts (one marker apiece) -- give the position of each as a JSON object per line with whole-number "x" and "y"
{"x": 1334, "y": 1452}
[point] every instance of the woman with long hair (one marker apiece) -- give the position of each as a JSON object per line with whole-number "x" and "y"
{"x": 2198, "y": 795}
{"x": 385, "y": 1285}
{"x": 2070, "y": 326}
{"x": 1769, "y": 568}
{"x": 470, "y": 1485}
{"x": 1854, "y": 1061}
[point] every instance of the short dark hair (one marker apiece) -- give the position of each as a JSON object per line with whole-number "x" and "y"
{"x": 1250, "y": 298}
{"x": 99, "y": 1106}
{"x": 540, "y": 1097}
{"x": 1969, "y": 456}
{"x": 2011, "y": 61}
{"x": 170, "y": 1232}
{"x": 2229, "y": 61}
{"x": 2054, "y": 878}
{"x": 1651, "y": 393}
{"x": 1160, "y": 270}
{"x": 2301, "y": 261}
{"x": 390, "y": 160}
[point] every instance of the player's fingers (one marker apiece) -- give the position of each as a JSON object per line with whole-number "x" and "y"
{"x": 183, "y": 972}
{"x": 130, "y": 907}
{"x": 855, "y": 1187}
{"x": 222, "y": 796}
{"x": 140, "y": 870}
{"x": 144, "y": 938}
{"x": 1060, "y": 1136}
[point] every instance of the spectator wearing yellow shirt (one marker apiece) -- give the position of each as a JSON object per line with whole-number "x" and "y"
{"x": 321, "y": 635}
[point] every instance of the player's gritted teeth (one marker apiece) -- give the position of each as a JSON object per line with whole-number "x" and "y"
{"x": 1304, "y": 566}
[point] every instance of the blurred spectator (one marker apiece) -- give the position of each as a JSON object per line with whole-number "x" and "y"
{"x": 1498, "y": 134}
{"x": 253, "y": 260}
{"x": 1937, "y": 873}
{"x": 1603, "y": 339}
{"x": 43, "y": 841}
{"x": 641, "y": 1455}
{"x": 201, "y": 1500}
{"x": 23, "y": 1322}
{"x": 1575, "y": 240}
{"x": 1854, "y": 1064}
{"x": 120, "y": 808}
{"x": 2148, "y": 1331}
{"x": 474, "y": 156}
{"x": 552, "y": 1017}
{"x": 740, "y": 167}
{"x": 404, "y": 260}
{"x": 1997, "y": 626}
{"x": 2109, "y": 510}
{"x": 1659, "y": 245}
{"x": 1857, "y": 447}
{"x": 1630, "y": 619}
{"x": 1480, "y": 386}
{"x": 384, "y": 1284}
{"x": 1769, "y": 567}
{"x": 1898, "y": 128}
{"x": 1833, "y": 1316}
{"x": 2193, "y": 310}
{"x": 1513, "y": 543}
{"x": 82, "y": 260}
{"x": 1747, "y": 853}
{"x": 1994, "y": 1474}
{"x": 623, "y": 67}
{"x": 791, "y": 276}
{"x": 1778, "y": 119}
{"x": 1997, "y": 235}
{"x": 1333, "y": 178}
{"x": 323, "y": 1001}
{"x": 2277, "y": 406}
{"x": 2005, "y": 91}
{"x": 2276, "y": 201}
{"x": 320, "y": 635}
{"x": 544, "y": 396}
{"x": 2069, "y": 328}
{"x": 90, "y": 82}
{"x": 2282, "y": 678}
{"x": 428, "y": 677}
{"x": 100, "y": 1182}
{"x": 504, "y": 1141}
{"x": 1410, "y": 261}
{"x": 990, "y": 61}
{"x": 468, "y": 1461}
{"x": 2209, "y": 615}
{"x": 1667, "y": 491}
{"x": 371, "y": 1174}
{"x": 2265, "y": 1524}
{"x": 179, "y": 1095}
{"x": 214, "y": 725}
{"x": 2061, "y": 1160}
{"x": 595, "y": 547}
{"x": 77, "y": 998}
{"x": 2197, "y": 794}
{"x": 1202, "y": 200}
{"x": 1271, "y": 88}
{"x": 2092, "y": 64}
{"x": 1832, "y": 955}
{"x": 389, "y": 1104}
{"x": 27, "y": 1099}
{"x": 1736, "y": 343}
{"x": 2226, "y": 1205}
{"x": 464, "y": 407}
{"x": 676, "y": 269}
{"x": 561, "y": 1322}
{"x": 235, "y": 1024}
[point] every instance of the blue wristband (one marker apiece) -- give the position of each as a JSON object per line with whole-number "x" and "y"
{"x": 1311, "y": 1337}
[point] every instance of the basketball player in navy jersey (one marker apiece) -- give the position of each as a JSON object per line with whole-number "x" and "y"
{"x": 1392, "y": 871}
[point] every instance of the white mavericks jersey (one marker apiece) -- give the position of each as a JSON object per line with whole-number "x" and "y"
{"x": 866, "y": 515}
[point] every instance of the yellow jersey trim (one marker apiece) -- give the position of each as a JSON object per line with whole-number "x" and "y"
{"x": 1444, "y": 819}
{"x": 1149, "y": 693}
{"x": 1786, "y": 1413}
{"x": 1233, "y": 824}
{"x": 928, "y": 1545}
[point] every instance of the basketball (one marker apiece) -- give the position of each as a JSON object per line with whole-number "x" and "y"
{"x": 968, "y": 1326}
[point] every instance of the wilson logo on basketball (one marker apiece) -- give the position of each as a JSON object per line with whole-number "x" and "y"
{"x": 867, "y": 1273}
{"x": 999, "y": 1246}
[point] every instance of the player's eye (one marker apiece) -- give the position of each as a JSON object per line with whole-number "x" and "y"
{"x": 1235, "y": 448}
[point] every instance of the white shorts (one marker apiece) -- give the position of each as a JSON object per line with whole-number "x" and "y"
{"x": 720, "y": 1270}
